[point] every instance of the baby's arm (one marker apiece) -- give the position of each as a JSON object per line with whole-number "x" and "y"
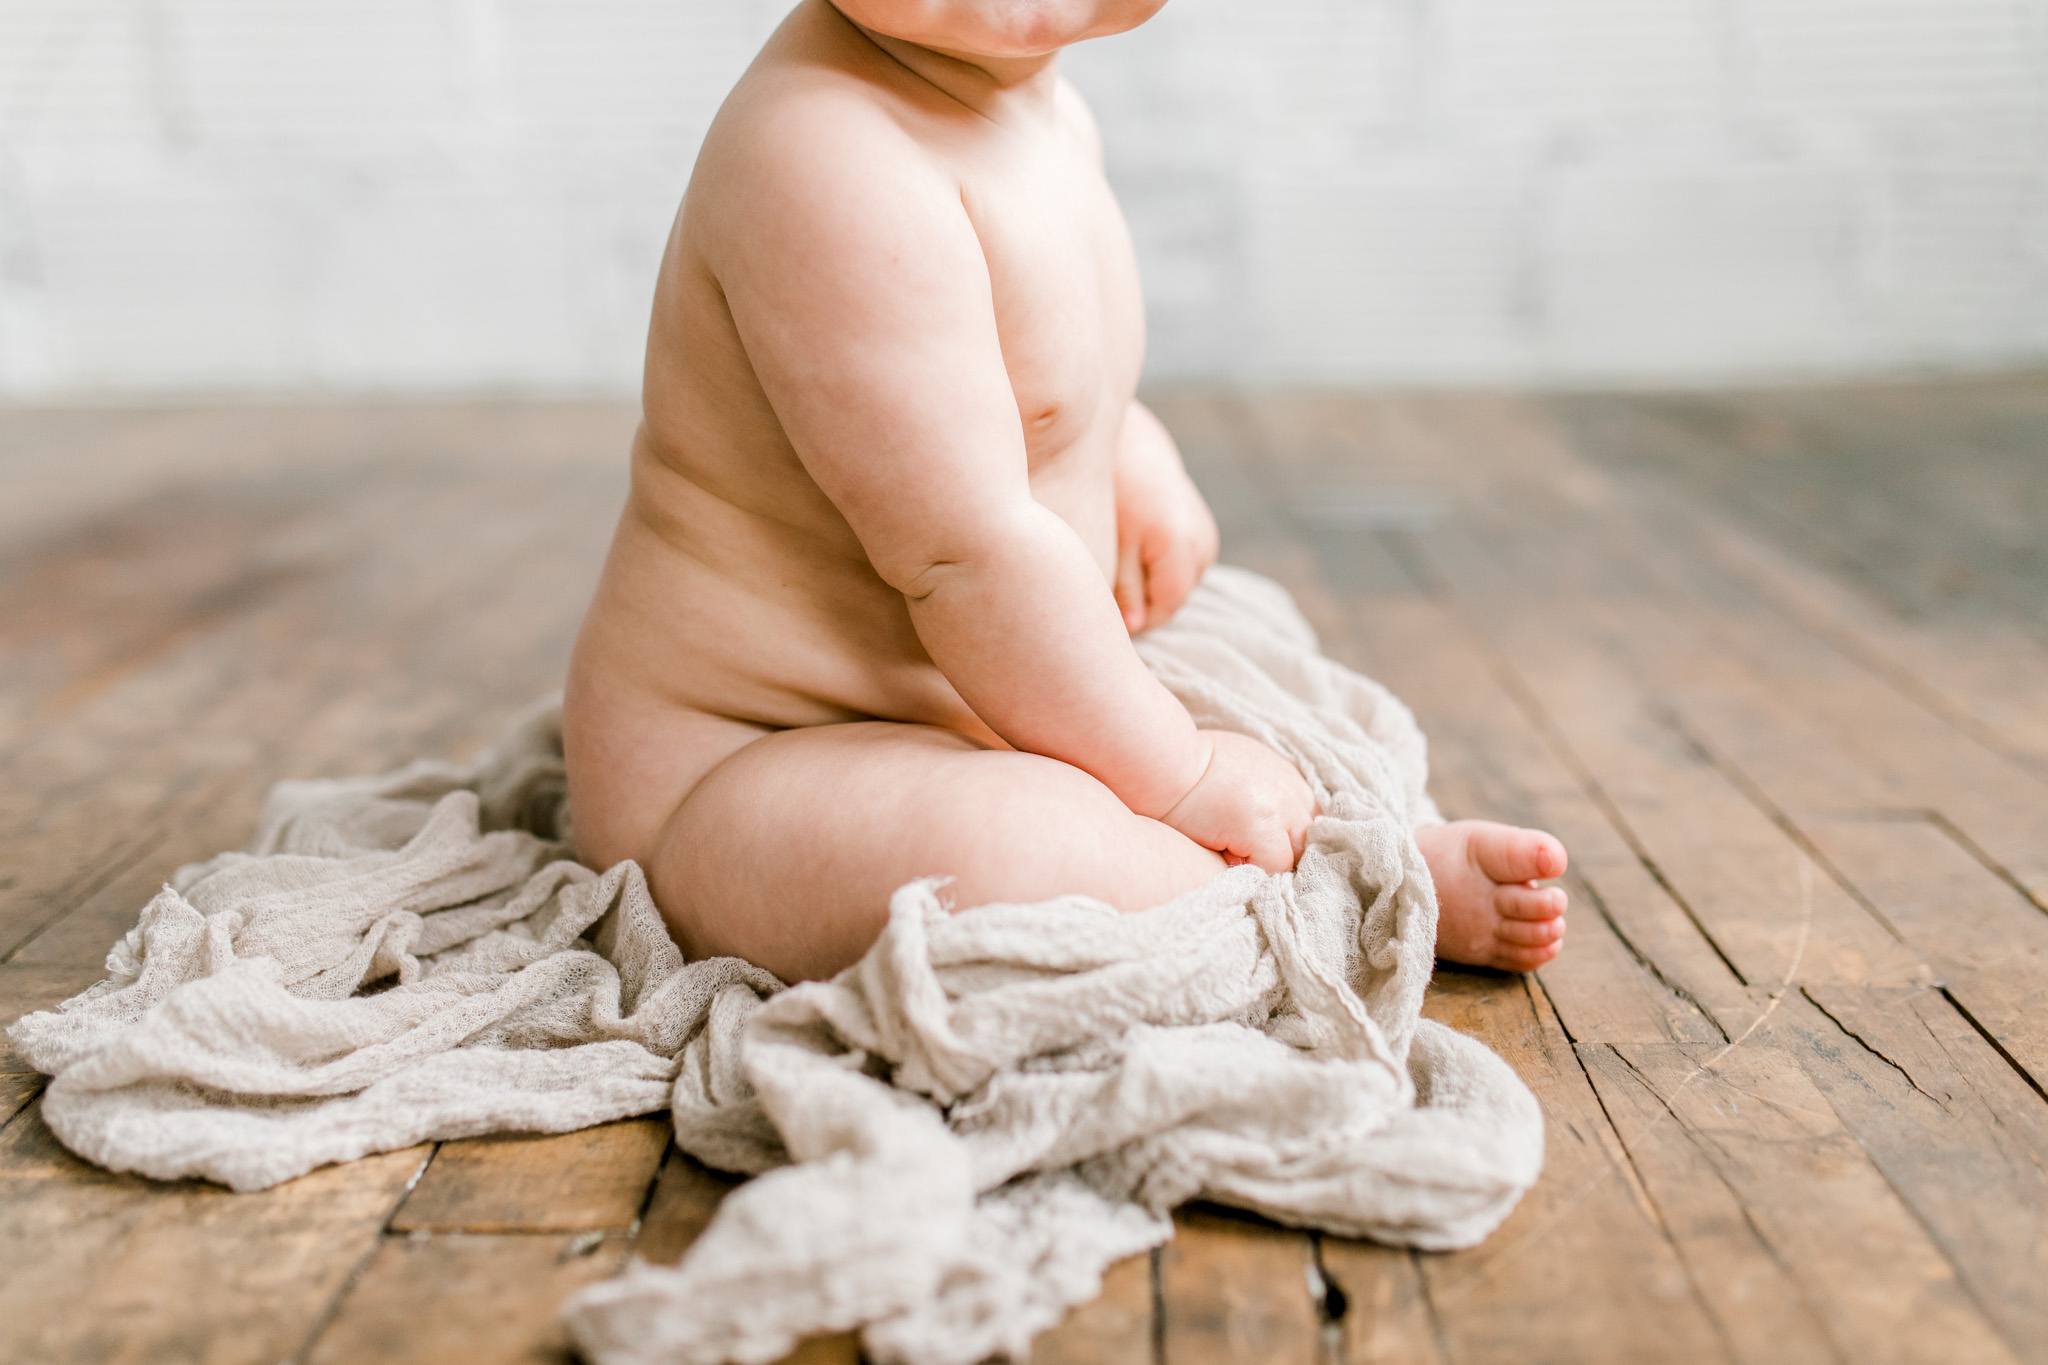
{"x": 860, "y": 293}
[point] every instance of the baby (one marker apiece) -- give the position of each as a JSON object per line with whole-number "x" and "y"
{"x": 895, "y": 513}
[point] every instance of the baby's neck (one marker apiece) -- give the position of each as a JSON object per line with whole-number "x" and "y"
{"x": 998, "y": 88}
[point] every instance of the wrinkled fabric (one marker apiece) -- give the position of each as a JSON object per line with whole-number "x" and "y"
{"x": 952, "y": 1139}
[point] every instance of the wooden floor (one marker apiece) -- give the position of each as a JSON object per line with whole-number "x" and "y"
{"x": 1775, "y": 666}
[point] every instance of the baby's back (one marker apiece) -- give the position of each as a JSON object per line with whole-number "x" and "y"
{"x": 737, "y": 597}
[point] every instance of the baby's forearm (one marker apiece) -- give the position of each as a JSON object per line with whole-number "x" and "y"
{"x": 1024, "y": 626}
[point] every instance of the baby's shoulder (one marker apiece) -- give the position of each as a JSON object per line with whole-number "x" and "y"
{"x": 805, "y": 133}
{"x": 809, "y": 173}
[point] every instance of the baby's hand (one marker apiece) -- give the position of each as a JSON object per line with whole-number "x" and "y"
{"x": 1250, "y": 804}
{"x": 1165, "y": 534}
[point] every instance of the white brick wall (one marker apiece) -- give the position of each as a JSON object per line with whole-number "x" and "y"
{"x": 205, "y": 195}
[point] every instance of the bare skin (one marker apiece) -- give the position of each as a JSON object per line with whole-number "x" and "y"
{"x": 895, "y": 512}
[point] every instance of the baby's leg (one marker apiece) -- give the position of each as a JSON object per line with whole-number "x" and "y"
{"x": 786, "y": 853}
{"x": 1490, "y": 913}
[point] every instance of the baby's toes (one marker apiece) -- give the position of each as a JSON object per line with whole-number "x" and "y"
{"x": 1511, "y": 958}
{"x": 1528, "y": 933}
{"x": 1529, "y": 902}
{"x": 1509, "y": 854}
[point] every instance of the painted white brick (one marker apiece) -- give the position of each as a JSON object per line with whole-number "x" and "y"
{"x": 1574, "y": 63}
{"x": 1411, "y": 271}
{"x": 75, "y": 75}
{"x": 1703, "y": 267}
{"x": 415, "y": 194}
{"x": 347, "y": 78}
{"x": 1957, "y": 259}
{"x": 1837, "y": 59}
{"x": 166, "y": 282}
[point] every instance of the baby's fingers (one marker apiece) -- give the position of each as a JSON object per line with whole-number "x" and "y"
{"x": 1276, "y": 849}
{"x": 1130, "y": 584}
{"x": 1170, "y": 574}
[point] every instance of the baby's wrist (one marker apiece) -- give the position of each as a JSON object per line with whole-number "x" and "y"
{"x": 1204, "y": 756}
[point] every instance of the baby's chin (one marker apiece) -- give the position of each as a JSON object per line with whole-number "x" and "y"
{"x": 997, "y": 28}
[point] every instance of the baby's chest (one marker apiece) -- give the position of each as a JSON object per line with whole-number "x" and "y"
{"x": 1065, "y": 289}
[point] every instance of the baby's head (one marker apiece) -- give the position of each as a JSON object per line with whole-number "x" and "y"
{"x": 997, "y": 28}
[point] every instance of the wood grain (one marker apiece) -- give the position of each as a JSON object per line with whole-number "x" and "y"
{"x": 1500, "y": 1301}
{"x": 1789, "y": 770}
{"x": 183, "y": 1272}
{"x": 1116, "y": 1328}
{"x": 430, "y": 1299}
{"x": 1386, "y": 1318}
{"x": 685, "y": 1199}
{"x": 1235, "y": 1289}
{"x": 523, "y": 1182}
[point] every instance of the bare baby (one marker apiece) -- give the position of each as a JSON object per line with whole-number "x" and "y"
{"x": 895, "y": 512}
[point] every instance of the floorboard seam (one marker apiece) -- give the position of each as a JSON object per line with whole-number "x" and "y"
{"x": 1963, "y": 1283}
{"x": 362, "y": 1265}
{"x": 1769, "y": 1247}
{"x": 1589, "y": 784}
{"x": 1752, "y": 792}
{"x": 1975, "y": 1023}
{"x": 1644, "y": 960}
{"x": 1976, "y": 850}
{"x": 1850, "y": 642}
{"x": 79, "y": 892}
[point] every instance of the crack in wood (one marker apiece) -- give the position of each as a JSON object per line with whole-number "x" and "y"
{"x": 1665, "y": 1110}
{"x": 1678, "y": 989}
{"x": 334, "y": 1305}
{"x": 1873, "y": 1049}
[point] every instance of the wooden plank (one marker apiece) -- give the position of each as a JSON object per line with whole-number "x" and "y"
{"x": 1628, "y": 1296}
{"x": 1856, "y": 1255}
{"x": 1764, "y": 1313}
{"x": 1605, "y": 990}
{"x": 524, "y": 1182}
{"x": 1815, "y": 727}
{"x": 26, "y": 987}
{"x": 1988, "y": 677}
{"x": 114, "y": 1268}
{"x": 1386, "y": 1318}
{"x": 1597, "y": 679}
{"x": 1642, "y": 785}
{"x": 1232, "y": 1289}
{"x": 324, "y": 674}
{"x": 1489, "y": 760}
{"x": 1765, "y": 1310}
{"x": 426, "y": 1300}
{"x": 1115, "y": 1328}
{"x": 74, "y": 944}
{"x": 686, "y": 1196}
{"x": 16, "y": 1090}
{"x": 1955, "y": 1130}
{"x": 1988, "y": 942}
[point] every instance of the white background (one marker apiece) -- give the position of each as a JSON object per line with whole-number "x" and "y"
{"x": 204, "y": 196}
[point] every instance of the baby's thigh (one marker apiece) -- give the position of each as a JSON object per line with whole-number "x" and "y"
{"x": 786, "y": 853}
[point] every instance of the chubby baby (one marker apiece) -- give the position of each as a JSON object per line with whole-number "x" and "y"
{"x": 895, "y": 513}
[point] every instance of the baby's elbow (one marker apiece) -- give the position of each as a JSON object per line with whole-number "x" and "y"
{"x": 996, "y": 547}
{"x": 921, "y": 578}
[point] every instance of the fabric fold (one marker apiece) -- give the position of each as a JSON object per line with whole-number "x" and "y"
{"x": 952, "y": 1139}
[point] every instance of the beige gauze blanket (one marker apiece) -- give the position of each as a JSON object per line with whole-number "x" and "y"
{"x": 954, "y": 1137}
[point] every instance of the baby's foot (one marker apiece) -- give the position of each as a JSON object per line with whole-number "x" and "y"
{"x": 1490, "y": 912}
